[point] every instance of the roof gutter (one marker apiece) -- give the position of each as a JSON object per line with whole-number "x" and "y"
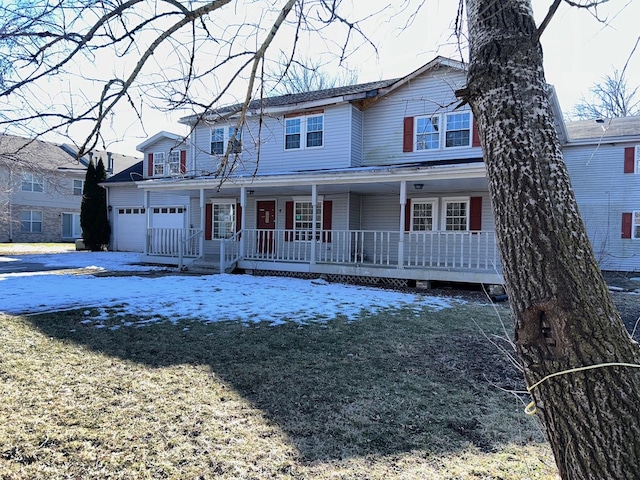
{"x": 421, "y": 173}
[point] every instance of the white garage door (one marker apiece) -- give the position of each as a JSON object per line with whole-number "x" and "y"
{"x": 130, "y": 229}
{"x": 167, "y": 217}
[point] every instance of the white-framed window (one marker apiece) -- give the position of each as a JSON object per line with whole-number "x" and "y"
{"x": 173, "y": 163}
{"x": 31, "y": 221}
{"x": 220, "y": 138}
{"x": 303, "y": 219}
{"x": 447, "y": 130}
{"x": 78, "y": 187}
{"x": 457, "y": 129}
{"x": 304, "y": 131}
{"x": 159, "y": 159}
{"x": 32, "y": 182}
{"x": 223, "y": 219}
{"x": 71, "y": 225}
{"x": 455, "y": 214}
{"x": 423, "y": 214}
{"x": 637, "y": 160}
{"x": 428, "y": 133}
{"x": 635, "y": 225}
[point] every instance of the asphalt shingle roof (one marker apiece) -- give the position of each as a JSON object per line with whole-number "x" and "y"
{"x": 607, "y": 128}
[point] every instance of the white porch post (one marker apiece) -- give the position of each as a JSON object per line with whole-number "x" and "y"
{"x": 403, "y": 207}
{"x": 202, "y": 222}
{"x": 243, "y": 205}
{"x": 314, "y": 205}
{"x": 145, "y": 202}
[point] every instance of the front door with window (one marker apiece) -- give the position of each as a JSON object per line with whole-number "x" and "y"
{"x": 266, "y": 223}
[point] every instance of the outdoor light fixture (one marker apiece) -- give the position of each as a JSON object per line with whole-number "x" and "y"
{"x": 250, "y": 192}
{"x": 418, "y": 186}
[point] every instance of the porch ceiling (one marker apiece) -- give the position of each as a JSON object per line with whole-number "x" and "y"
{"x": 434, "y": 180}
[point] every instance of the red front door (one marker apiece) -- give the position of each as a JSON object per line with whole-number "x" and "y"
{"x": 266, "y": 221}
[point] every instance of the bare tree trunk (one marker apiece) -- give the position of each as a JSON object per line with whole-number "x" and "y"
{"x": 564, "y": 315}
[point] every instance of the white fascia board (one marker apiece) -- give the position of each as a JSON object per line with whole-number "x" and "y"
{"x": 160, "y": 135}
{"x": 336, "y": 178}
{"x": 603, "y": 141}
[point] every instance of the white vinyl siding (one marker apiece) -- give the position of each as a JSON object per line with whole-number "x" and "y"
{"x": 604, "y": 192}
{"x": 422, "y": 97}
{"x": 334, "y": 153}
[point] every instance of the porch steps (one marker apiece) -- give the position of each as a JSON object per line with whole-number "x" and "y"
{"x": 207, "y": 267}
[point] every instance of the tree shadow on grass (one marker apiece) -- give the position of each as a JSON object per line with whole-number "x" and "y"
{"x": 387, "y": 384}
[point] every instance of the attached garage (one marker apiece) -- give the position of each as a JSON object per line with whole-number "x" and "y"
{"x": 129, "y": 229}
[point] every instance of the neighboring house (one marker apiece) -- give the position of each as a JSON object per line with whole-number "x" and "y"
{"x": 41, "y": 187}
{"x": 383, "y": 180}
{"x": 603, "y": 158}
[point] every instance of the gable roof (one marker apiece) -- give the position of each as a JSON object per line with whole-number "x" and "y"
{"x": 36, "y": 154}
{"x": 113, "y": 162}
{"x": 32, "y": 154}
{"x": 130, "y": 175}
{"x": 610, "y": 128}
{"x": 316, "y": 98}
{"x": 159, "y": 136}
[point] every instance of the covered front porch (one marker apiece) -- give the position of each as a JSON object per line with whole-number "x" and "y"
{"x": 366, "y": 226}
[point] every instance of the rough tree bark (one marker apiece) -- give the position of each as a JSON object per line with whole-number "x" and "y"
{"x": 564, "y": 316}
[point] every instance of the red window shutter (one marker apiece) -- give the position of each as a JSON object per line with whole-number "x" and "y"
{"x": 407, "y": 216}
{"x": 238, "y": 217}
{"x": 629, "y": 159}
{"x": 626, "y": 225}
{"x": 407, "y": 135}
{"x": 475, "y": 139}
{"x": 288, "y": 221}
{"x": 183, "y": 161}
{"x": 150, "y": 164}
{"x": 327, "y": 214}
{"x": 475, "y": 213}
{"x": 208, "y": 221}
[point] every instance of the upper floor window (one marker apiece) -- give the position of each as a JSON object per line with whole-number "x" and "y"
{"x": 427, "y": 133}
{"x": 31, "y": 221}
{"x": 437, "y": 131}
{"x": 458, "y": 130}
{"x": 220, "y": 138}
{"x": 159, "y": 159}
{"x": 78, "y": 187}
{"x": 32, "y": 182}
{"x": 423, "y": 215}
{"x": 304, "y": 131}
{"x": 173, "y": 163}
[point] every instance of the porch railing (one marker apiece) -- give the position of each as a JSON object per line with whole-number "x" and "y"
{"x": 169, "y": 242}
{"x": 473, "y": 250}
{"x": 230, "y": 251}
{"x": 451, "y": 250}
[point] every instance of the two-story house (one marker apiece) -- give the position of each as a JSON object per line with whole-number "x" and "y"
{"x": 383, "y": 180}
{"x": 41, "y": 186}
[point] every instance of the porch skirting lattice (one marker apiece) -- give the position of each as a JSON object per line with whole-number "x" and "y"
{"x": 339, "y": 278}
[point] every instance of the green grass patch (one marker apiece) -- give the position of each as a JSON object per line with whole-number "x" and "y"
{"x": 399, "y": 394}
